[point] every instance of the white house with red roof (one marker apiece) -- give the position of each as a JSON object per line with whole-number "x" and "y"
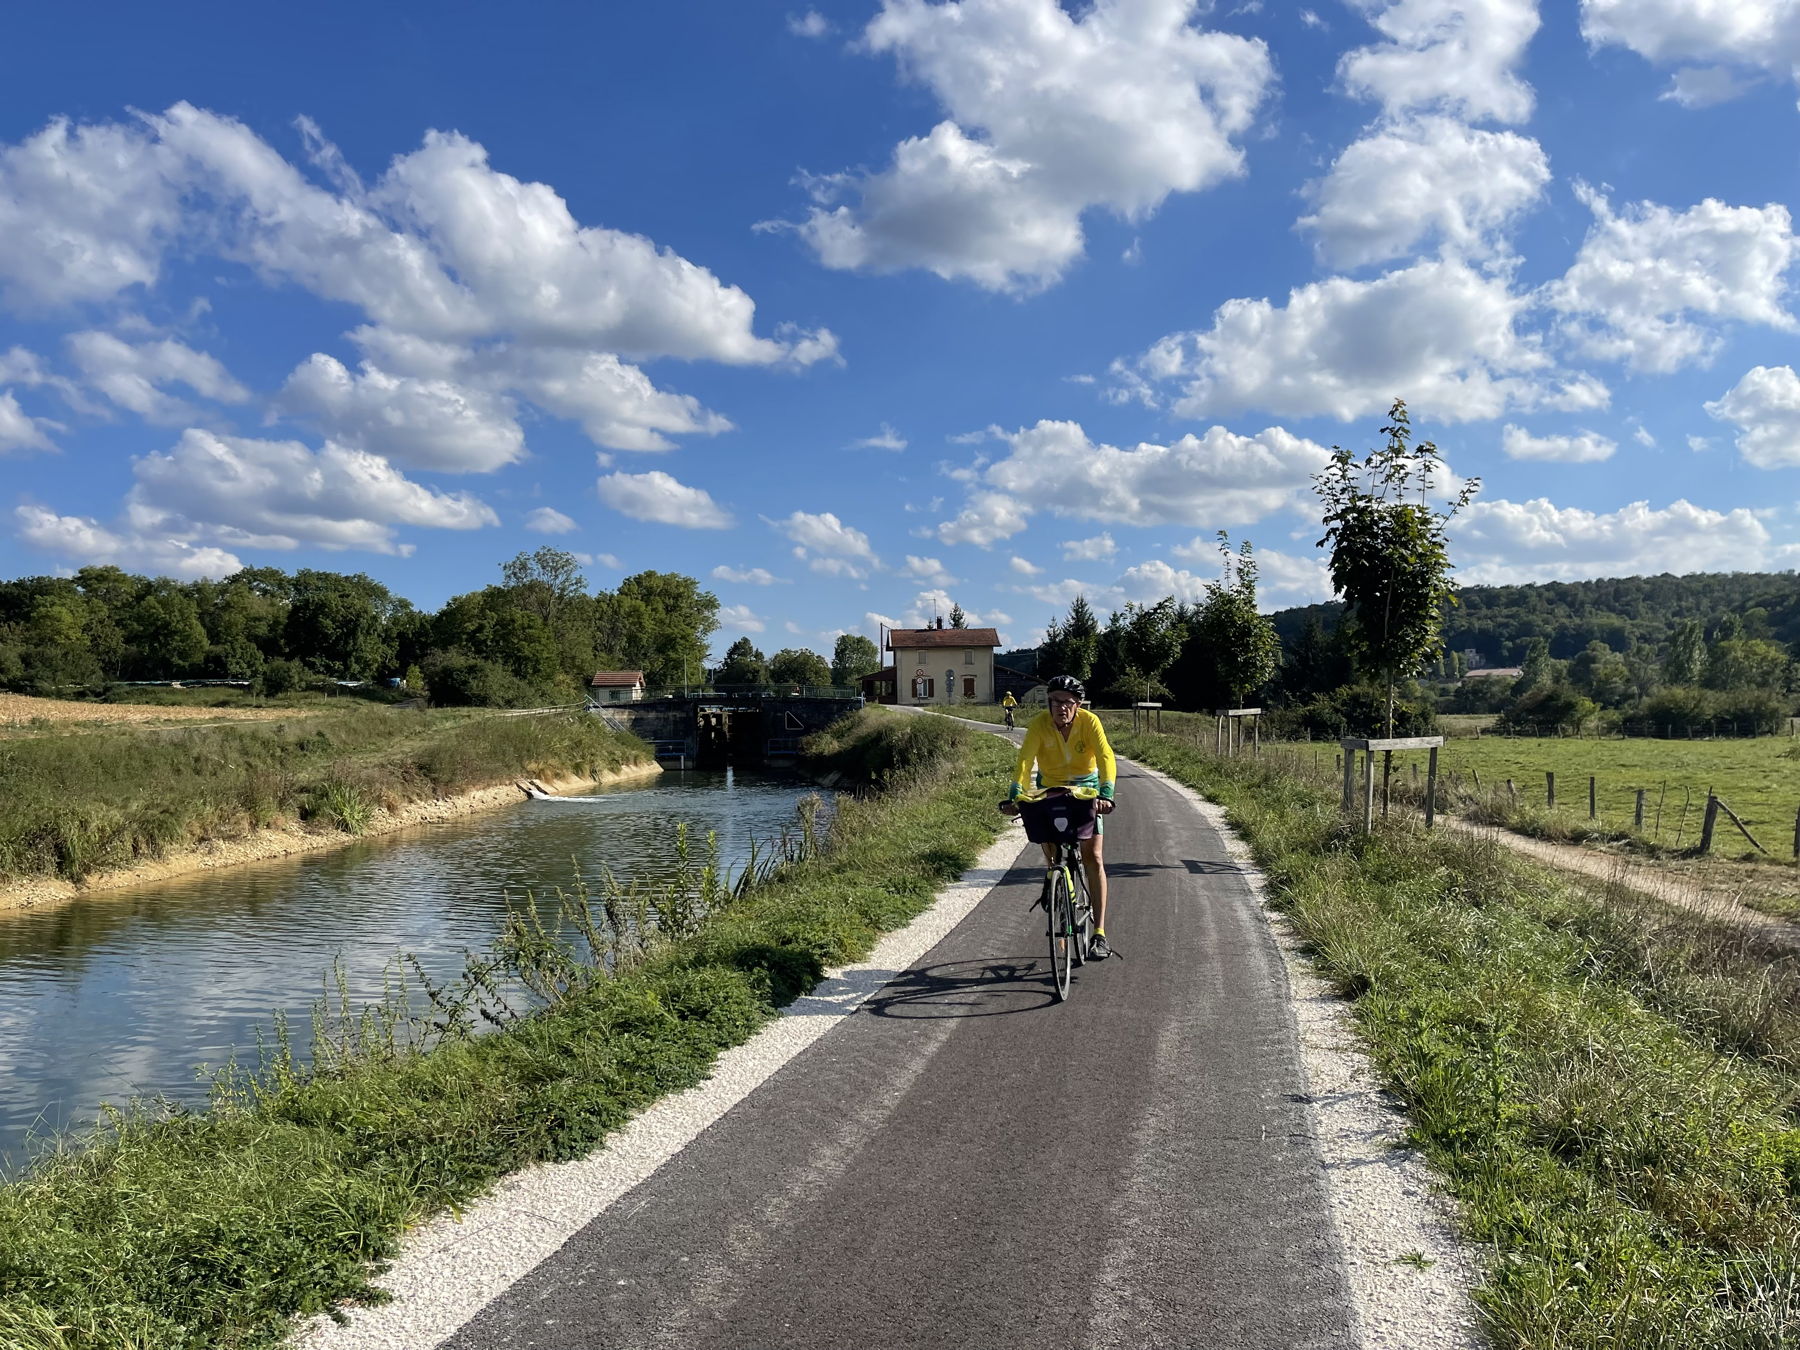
{"x": 943, "y": 665}
{"x": 616, "y": 686}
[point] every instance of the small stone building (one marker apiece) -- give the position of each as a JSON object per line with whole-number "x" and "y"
{"x": 943, "y": 665}
{"x": 616, "y": 686}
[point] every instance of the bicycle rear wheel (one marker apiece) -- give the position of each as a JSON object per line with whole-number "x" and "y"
{"x": 1062, "y": 932}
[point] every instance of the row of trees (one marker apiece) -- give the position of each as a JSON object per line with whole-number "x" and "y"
{"x": 853, "y": 657}
{"x": 538, "y": 632}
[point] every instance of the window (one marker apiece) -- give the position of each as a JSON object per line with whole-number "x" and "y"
{"x": 968, "y": 686}
{"x": 968, "y": 658}
{"x": 922, "y": 688}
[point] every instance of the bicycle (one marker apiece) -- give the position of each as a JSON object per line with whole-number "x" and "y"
{"x": 1057, "y": 818}
{"x": 1009, "y": 719}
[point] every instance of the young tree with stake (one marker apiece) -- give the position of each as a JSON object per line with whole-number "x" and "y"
{"x": 1389, "y": 558}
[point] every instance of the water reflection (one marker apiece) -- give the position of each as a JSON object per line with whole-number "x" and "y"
{"x": 123, "y": 994}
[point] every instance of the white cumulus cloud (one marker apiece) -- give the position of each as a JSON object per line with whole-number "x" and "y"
{"x": 929, "y": 570}
{"x": 1700, "y": 35}
{"x": 430, "y": 423}
{"x": 1097, "y": 549}
{"x": 1220, "y": 478}
{"x": 133, "y": 375}
{"x": 825, "y": 533}
{"x": 1651, "y": 284}
{"x": 1765, "y": 407}
{"x": 1455, "y": 56}
{"x": 280, "y": 494}
{"x": 1049, "y": 115}
{"x": 1506, "y": 542}
{"x": 745, "y": 576}
{"x": 1419, "y": 178}
{"x": 1440, "y": 330}
{"x": 548, "y": 520}
{"x": 1585, "y": 447}
{"x": 740, "y": 619}
{"x": 85, "y": 542}
{"x": 659, "y": 498}
{"x": 885, "y": 439}
{"x": 19, "y": 431}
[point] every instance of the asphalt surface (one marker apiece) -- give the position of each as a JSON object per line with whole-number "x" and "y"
{"x": 965, "y": 1162}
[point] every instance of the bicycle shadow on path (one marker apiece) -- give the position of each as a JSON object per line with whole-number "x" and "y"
{"x": 988, "y": 986}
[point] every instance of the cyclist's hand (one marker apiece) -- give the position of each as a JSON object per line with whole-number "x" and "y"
{"x": 1009, "y": 808}
{"x": 1104, "y": 806}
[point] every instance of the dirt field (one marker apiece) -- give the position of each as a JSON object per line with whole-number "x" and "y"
{"x": 20, "y": 710}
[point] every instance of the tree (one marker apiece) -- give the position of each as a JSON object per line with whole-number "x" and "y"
{"x": 165, "y": 633}
{"x": 337, "y": 624}
{"x": 1685, "y": 660}
{"x": 957, "y": 618}
{"x": 853, "y": 657}
{"x": 797, "y": 665}
{"x": 1601, "y": 674}
{"x": 1241, "y": 642}
{"x": 1069, "y": 648}
{"x": 659, "y": 623}
{"x": 744, "y": 664}
{"x": 1746, "y": 663}
{"x": 1390, "y": 558}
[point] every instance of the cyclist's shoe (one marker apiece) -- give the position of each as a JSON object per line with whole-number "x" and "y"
{"x": 1098, "y": 948}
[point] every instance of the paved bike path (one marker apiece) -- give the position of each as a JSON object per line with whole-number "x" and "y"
{"x": 964, "y": 1162}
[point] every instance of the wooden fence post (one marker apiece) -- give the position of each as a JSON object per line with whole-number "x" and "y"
{"x": 1368, "y": 792}
{"x": 1549, "y": 789}
{"x": 1592, "y": 813}
{"x": 1512, "y": 792}
{"x": 1637, "y": 819}
{"x": 1348, "y": 759}
{"x": 1431, "y": 793}
{"x": 1706, "y": 825}
{"x": 1797, "y": 836}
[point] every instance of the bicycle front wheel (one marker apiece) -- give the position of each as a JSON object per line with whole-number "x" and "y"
{"x": 1062, "y": 932}
{"x": 1084, "y": 914}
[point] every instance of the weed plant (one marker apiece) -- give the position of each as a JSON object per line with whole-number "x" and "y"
{"x": 1609, "y": 1087}
{"x": 217, "y": 1228}
{"x": 76, "y": 804}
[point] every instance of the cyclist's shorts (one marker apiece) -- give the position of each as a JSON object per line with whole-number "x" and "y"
{"x": 1056, "y": 820}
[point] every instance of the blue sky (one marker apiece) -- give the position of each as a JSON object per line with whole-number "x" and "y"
{"x": 851, "y": 311}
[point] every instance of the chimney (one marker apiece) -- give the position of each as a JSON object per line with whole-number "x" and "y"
{"x": 940, "y": 622}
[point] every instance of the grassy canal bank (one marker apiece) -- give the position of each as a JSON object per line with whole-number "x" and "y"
{"x": 1609, "y": 1086}
{"x": 217, "y": 1229}
{"x": 85, "y": 806}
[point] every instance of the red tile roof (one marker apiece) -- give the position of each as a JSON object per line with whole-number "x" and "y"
{"x": 614, "y": 679}
{"x": 917, "y": 639}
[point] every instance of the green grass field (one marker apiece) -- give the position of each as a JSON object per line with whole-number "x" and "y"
{"x": 1759, "y": 779}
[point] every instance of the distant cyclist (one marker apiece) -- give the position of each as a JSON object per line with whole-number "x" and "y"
{"x": 1009, "y": 703}
{"x": 1070, "y": 749}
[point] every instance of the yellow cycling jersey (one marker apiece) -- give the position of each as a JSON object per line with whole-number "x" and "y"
{"x": 1084, "y": 760}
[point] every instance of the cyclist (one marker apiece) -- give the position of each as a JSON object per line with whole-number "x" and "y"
{"x": 1070, "y": 749}
{"x": 1009, "y": 703}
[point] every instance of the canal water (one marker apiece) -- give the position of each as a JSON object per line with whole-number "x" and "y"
{"x": 123, "y": 994}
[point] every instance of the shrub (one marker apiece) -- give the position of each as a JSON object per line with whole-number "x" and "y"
{"x": 458, "y": 680}
{"x": 1548, "y": 705}
{"x": 1354, "y": 710}
{"x": 280, "y": 677}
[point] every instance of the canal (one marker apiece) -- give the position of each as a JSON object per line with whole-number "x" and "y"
{"x": 123, "y": 994}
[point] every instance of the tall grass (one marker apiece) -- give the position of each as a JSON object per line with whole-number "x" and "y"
{"x": 77, "y": 804}
{"x": 1609, "y": 1087}
{"x": 179, "y": 1231}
